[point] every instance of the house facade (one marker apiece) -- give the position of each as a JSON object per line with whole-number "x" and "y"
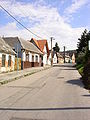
{"x": 54, "y": 56}
{"x": 43, "y": 47}
{"x": 73, "y": 58}
{"x": 29, "y": 53}
{"x": 69, "y": 56}
{"x": 60, "y": 58}
{"x": 67, "y": 59}
{"x": 7, "y": 57}
{"x": 30, "y": 59}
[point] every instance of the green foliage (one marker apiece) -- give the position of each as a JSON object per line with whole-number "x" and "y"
{"x": 83, "y": 58}
{"x": 79, "y": 66}
{"x": 83, "y": 52}
{"x": 56, "y": 48}
{"x": 81, "y": 70}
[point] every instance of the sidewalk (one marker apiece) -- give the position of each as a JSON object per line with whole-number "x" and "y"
{"x": 11, "y": 76}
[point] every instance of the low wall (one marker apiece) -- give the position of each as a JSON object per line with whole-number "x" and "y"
{"x": 27, "y": 64}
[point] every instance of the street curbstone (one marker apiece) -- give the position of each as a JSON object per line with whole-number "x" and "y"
{"x": 2, "y": 82}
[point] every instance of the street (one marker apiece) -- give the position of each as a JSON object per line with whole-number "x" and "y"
{"x": 53, "y": 94}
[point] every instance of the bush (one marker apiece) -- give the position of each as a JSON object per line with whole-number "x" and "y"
{"x": 86, "y": 75}
{"x": 78, "y": 66}
{"x": 81, "y": 70}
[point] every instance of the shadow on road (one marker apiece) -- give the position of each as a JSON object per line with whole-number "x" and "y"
{"x": 16, "y": 118}
{"x": 68, "y": 69}
{"x": 45, "y": 109}
{"x": 76, "y": 82}
{"x": 64, "y": 65}
{"x": 86, "y": 95}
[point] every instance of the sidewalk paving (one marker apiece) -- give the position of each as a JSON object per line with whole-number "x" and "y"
{"x": 11, "y": 76}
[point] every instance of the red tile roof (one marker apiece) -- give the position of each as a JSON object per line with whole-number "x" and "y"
{"x": 40, "y": 44}
{"x": 43, "y": 43}
{"x": 35, "y": 42}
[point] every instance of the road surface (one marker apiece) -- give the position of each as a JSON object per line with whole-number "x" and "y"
{"x": 53, "y": 94}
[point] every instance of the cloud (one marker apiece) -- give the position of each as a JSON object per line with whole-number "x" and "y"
{"x": 11, "y": 29}
{"x": 46, "y": 21}
{"x": 76, "y": 4}
{"x": 62, "y": 1}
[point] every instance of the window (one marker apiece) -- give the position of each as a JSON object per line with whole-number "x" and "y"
{"x": 9, "y": 61}
{"x": 32, "y": 58}
{"x": 36, "y": 58}
{"x": 27, "y": 57}
{"x": 3, "y": 60}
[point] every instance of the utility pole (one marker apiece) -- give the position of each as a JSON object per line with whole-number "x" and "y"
{"x": 17, "y": 56}
{"x": 64, "y": 54}
{"x": 51, "y": 52}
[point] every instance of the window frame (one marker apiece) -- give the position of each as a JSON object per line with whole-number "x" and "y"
{"x": 9, "y": 61}
{"x": 3, "y": 62}
{"x": 27, "y": 57}
{"x": 36, "y": 58}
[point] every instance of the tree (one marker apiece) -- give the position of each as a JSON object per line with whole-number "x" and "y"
{"x": 83, "y": 58}
{"x": 56, "y": 48}
{"x": 83, "y": 50}
{"x": 82, "y": 42}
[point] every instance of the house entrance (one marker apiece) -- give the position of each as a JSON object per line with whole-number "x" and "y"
{"x": 32, "y": 60}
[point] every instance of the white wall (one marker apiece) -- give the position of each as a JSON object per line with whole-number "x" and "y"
{"x": 45, "y": 49}
{"x": 23, "y": 56}
{"x": 67, "y": 59}
{"x": 13, "y": 60}
{"x": 49, "y": 59}
{"x": 55, "y": 59}
{"x": 45, "y": 61}
{"x": 30, "y": 56}
{"x": 6, "y": 68}
{"x": 35, "y": 57}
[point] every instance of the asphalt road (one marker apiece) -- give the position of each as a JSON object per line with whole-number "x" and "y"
{"x": 53, "y": 94}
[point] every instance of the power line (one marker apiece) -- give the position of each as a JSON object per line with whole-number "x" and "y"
{"x": 20, "y": 22}
{"x": 29, "y": 14}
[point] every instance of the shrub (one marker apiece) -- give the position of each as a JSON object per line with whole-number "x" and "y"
{"x": 81, "y": 70}
{"x": 79, "y": 66}
{"x": 86, "y": 75}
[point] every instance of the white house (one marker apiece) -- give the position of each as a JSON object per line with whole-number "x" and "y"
{"x": 29, "y": 53}
{"x": 67, "y": 58}
{"x": 43, "y": 46}
{"x": 7, "y": 57}
{"x": 54, "y": 56}
{"x": 73, "y": 58}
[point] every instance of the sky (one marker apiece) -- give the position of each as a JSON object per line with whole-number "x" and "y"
{"x": 64, "y": 20}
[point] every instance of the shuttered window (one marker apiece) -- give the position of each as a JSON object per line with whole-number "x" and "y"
{"x": 3, "y": 60}
{"x": 9, "y": 61}
{"x": 36, "y": 58}
{"x": 27, "y": 57}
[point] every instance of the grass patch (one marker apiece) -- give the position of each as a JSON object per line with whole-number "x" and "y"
{"x": 80, "y": 68}
{"x": 29, "y": 74}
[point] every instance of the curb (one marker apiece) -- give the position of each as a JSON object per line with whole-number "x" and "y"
{"x": 2, "y": 82}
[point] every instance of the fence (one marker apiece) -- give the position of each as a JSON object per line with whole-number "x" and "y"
{"x": 17, "y": 65}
